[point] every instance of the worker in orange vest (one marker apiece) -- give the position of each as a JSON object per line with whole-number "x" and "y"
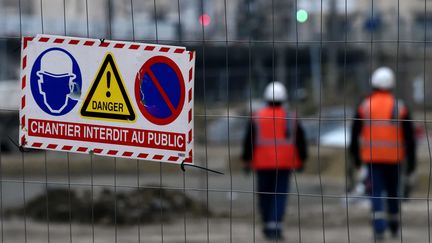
{"x": 382, "y": 139}
{"x": 274, "y": 146}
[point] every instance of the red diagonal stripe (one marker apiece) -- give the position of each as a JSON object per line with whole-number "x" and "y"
{"x": 23, "y": 102}
{"x": 73, "y": 42}
{"x": 52, "y": 146}
{"x": 188, "y": 160}
{"x": 67, "y": 148}
{"x": 26, "y": 40}
{"x": 23, "y": 121}
{"x": 97, "y": 150}
{"x": 59, "y": 40}
{"x": 104, "y": 44}
{"x": 119, "y": 45}
{"x": 24, "y": 64}
{"x": 23, "y": 82}
{"x": 190, "y": 95}
{"x": 127, "y": 154}
{"x": 23, "y": 140}
{"x": 190, "y": 74}
{"x": 190, "y": 56}
{"x": 164, "y": 49}
{"x": 37, "y": 145}
{"x": 112, "y": 152}
{"x": 89, "y": 43}
{"x": 157, "y": 157}
{"x": 142, "y": 155}
{"x": 173, "y": 158}
{"x": 190, "y": 115}
{"x": 179, "y": 50}
{"x": 134, "y": 47}
{"x": 161, "y": 90}
{"x": 190, "y": 136}
{"x": 149, "y": 48}
{"x": 43, "y": 39}
{"x": 82, "y": 149}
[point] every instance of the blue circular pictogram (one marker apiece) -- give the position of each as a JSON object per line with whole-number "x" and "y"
{"x": 56, "y": 81}
{"x": 160, "y": 90}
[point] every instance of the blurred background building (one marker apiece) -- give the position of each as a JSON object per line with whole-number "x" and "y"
{"x": 316, "y": 50}
{"x": 311, "y": 42}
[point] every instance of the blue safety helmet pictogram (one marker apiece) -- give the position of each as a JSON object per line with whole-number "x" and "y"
{"x": 56, "y": 81}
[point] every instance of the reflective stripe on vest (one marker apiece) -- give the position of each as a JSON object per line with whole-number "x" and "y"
{"x": 384, "y": 144}
{"x": 381, "y": 140}
{"x": 273, "y": 148}
{"x": 273, "y": 142}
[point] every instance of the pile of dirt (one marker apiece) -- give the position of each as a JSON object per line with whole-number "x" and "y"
{"x": 144, "y": 206}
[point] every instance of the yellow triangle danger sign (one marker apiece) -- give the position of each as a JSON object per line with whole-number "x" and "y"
{"x": 108, "y": 98}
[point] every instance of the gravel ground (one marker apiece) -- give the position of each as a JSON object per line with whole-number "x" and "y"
{"x": 322, "y": 219}
{"x": 322, "y": 210}
{"x": 197, "y": 230}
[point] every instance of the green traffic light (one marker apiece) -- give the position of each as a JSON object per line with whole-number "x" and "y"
{"x": 302, "y": 15}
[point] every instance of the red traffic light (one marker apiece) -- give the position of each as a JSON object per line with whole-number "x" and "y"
{"x": 205, "y": 20}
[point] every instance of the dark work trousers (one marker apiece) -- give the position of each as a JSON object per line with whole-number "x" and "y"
{"x": 385, "y": 178}
{"x": 272, "y": 187}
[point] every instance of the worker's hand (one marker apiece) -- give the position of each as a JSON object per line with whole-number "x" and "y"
{"x": 361, "y": 174}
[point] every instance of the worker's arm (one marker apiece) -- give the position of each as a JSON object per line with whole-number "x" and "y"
{"x": 410, "y": 143}
{"x": 354, "y": 148}
{"x": 301, "y": 143}
{"x": 248, "y": 142}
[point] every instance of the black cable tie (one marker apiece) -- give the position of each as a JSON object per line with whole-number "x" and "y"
{"x": 20, "y": 148}
{"x": 182, "y": 166}
{"x": 102, "y": 40}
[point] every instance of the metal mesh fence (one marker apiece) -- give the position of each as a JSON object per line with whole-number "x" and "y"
{"x": 325, "y": 61}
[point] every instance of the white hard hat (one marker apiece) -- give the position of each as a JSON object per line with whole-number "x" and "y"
{"x": 383, "y": 78}
{"x": 275, "y": 92}
{"x": 56, "y": 63}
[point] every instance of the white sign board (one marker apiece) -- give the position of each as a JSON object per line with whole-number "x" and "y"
{"x": 111, "y": 98}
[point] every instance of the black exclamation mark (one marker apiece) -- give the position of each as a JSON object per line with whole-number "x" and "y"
{"x": 108, "y": 94}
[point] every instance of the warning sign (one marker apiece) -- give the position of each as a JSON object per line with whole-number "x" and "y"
{"x": 108, "y": 98}
{"x": 111, "y": 98}
{"x": 160, "y": 88}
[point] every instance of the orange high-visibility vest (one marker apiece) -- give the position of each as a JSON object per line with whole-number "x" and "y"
{"x": 273, "y": 148}
{"x": 381, "y": 139}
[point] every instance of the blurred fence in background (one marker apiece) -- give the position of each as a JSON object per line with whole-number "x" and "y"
{"x": 325, "y": 59}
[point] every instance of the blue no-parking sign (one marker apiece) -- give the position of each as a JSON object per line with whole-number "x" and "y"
{"x": 160, "y": 88}
{"x": 110, "y": 98}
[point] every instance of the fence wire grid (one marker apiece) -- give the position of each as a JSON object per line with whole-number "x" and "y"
{"x": 325, "y": 59}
